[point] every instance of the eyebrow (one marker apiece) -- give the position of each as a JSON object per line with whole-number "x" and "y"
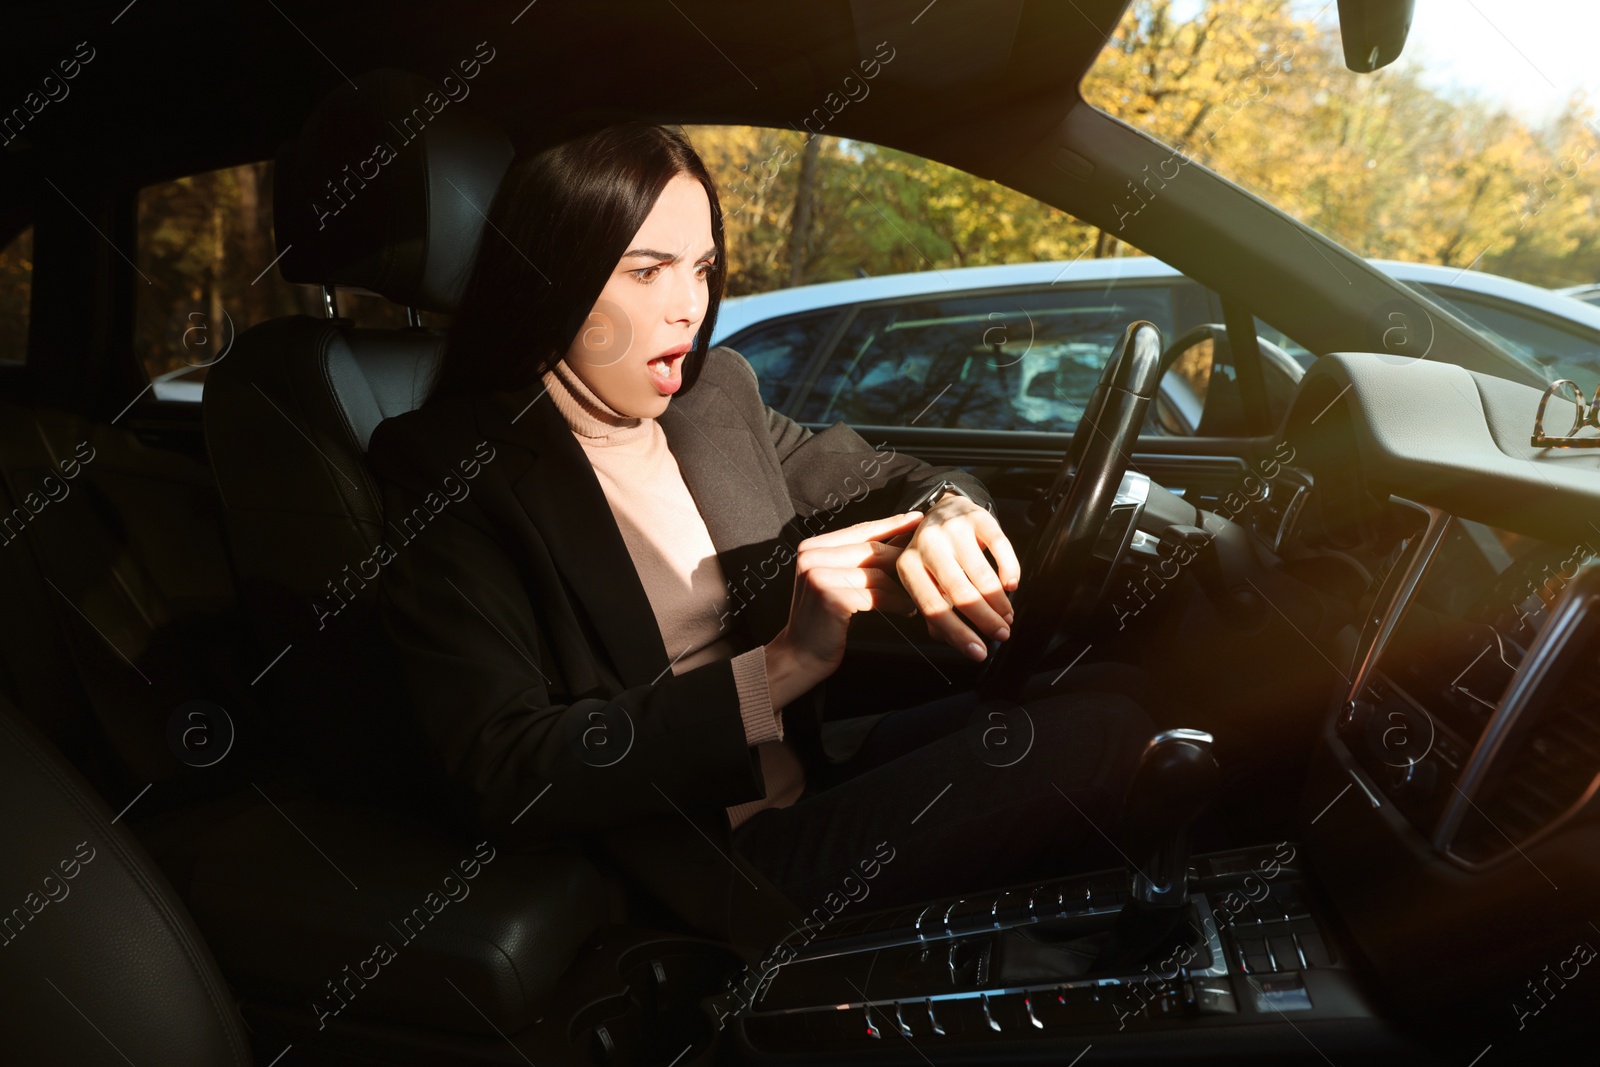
{"x": 666, "y": 257}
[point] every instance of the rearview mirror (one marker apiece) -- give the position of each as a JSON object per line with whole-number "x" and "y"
{"x": 1374, "y": 32}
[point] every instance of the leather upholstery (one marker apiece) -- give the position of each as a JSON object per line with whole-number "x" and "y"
{"x": 99, "y": 962}
{"x": 288, "y": 417}
{"x": 87, "y": 532}
{"x": 502, "y": 926}
{"x": 289, "y": 411}
{"x": 406, "y": 228}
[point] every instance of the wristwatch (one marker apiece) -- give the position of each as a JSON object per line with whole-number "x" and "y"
{"x": 926, "y": 501}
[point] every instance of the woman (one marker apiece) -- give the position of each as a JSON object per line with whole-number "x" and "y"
{"x": 624, "y": 580}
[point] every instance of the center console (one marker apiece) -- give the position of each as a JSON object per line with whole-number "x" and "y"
{"x": 1014, "y": 969}
{"x": 1231, "y": 943}
{"x": 1468, "y": 709}
{"x": 1450, "y": 802}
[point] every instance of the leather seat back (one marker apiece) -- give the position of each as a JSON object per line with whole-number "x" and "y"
{"x": 127, "y": 615}
{"x": 289, "y": 412}
{"x": 99, "y": 961}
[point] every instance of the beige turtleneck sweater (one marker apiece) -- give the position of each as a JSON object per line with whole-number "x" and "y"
{"x": 678, "y": 567}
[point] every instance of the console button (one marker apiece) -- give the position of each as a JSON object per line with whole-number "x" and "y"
{"x": 1081, "y": 1006}
{"x": 1009, "y": 907}
{"x": 1255, "y": 954}
{"x": 1287, "y": 897}
{"x": 1213, "y": 997}
{"x": 1281, "y": 993}
{"x": 1170, "y": 1002}
{"x": 988, "y": 1014}
{"x": 970, "y": 915}
{"x": 1316, "y": 952}
{"x": 1285, "y": 952}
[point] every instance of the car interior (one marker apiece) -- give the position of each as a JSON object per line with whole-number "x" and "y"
{"x": 1362, "y": 614}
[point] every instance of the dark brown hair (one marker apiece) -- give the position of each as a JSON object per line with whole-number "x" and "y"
{"x": 557, "y": 227}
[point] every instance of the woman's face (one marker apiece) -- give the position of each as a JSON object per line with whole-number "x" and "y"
{"x": 631, "y": 348}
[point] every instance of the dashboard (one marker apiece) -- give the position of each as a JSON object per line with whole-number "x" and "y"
{"x": 1447, "y": 848}
{"x": 1482, "y": 745}
{"x": 1449, "y": 806}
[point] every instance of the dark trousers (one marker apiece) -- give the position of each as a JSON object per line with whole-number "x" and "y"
{"x": 955, "y": 796}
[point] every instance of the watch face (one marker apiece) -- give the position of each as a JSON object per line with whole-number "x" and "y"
{"x": 931, "y": 497}
{"x": 934, "y": 495}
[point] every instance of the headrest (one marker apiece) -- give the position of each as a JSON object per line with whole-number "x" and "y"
{"x": 386, "y": 189}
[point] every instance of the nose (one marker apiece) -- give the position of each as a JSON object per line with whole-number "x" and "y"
{"x": 687, "y": 304}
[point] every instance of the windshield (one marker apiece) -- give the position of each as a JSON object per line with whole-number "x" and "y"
{"x": 1478, "y": 150}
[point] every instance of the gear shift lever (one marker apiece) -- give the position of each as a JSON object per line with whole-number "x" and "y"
{"x": 1176, "y": 780}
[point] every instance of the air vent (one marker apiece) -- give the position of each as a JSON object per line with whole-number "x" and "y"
{"x": 1545, "y": 761}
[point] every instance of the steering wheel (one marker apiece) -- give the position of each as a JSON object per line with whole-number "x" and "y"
{"x": 1061, "y": 588}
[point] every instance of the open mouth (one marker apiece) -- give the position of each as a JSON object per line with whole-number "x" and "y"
{"x": 666, "y": 370}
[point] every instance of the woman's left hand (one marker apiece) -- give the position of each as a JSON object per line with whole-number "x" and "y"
{"x": 945, "y": 571}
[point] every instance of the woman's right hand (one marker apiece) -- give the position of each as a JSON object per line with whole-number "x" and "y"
{"x": 836, "y": 575}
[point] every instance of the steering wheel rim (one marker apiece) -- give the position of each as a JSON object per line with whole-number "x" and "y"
{"x": 1056, "y": 592}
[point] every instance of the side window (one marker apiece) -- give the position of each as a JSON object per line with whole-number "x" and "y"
{"x": 904, "y": 246}
{"x": 781, "y": 351}
{"x": 1296, "y": 351}
{"x": 16, "y": 296}
{"x": 1551, "y": 350}
{"x": 1008, "y": 360}
{"x": 209, "y": 272}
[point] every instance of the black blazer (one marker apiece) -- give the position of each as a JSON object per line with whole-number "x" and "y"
{"x": 532, "y": 658}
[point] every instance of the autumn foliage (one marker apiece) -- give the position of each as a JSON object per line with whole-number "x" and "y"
{"x": 1383, "y": 163}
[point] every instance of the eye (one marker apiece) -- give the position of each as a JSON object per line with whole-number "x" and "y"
{"x": 705, "y": 270}
{"x": 640, "y": 274}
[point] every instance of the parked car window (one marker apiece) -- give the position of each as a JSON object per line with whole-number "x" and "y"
{"x": 1557, "y": 352}
{"x": 1589, "y": 294}
{"x": 781, "y": 351}
{"x": 16, "y": 296}
{"x": 208, "y": 272}
{"x": 1018, "y": 360}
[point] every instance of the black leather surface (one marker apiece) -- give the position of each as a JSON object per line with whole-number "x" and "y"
{"x": 407, "y": 228}
{"x": 99, "y": 961}
{"x": 288, "y": 416}
{"x": 95, "y": 518}
{"x": 297, "y": 900}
